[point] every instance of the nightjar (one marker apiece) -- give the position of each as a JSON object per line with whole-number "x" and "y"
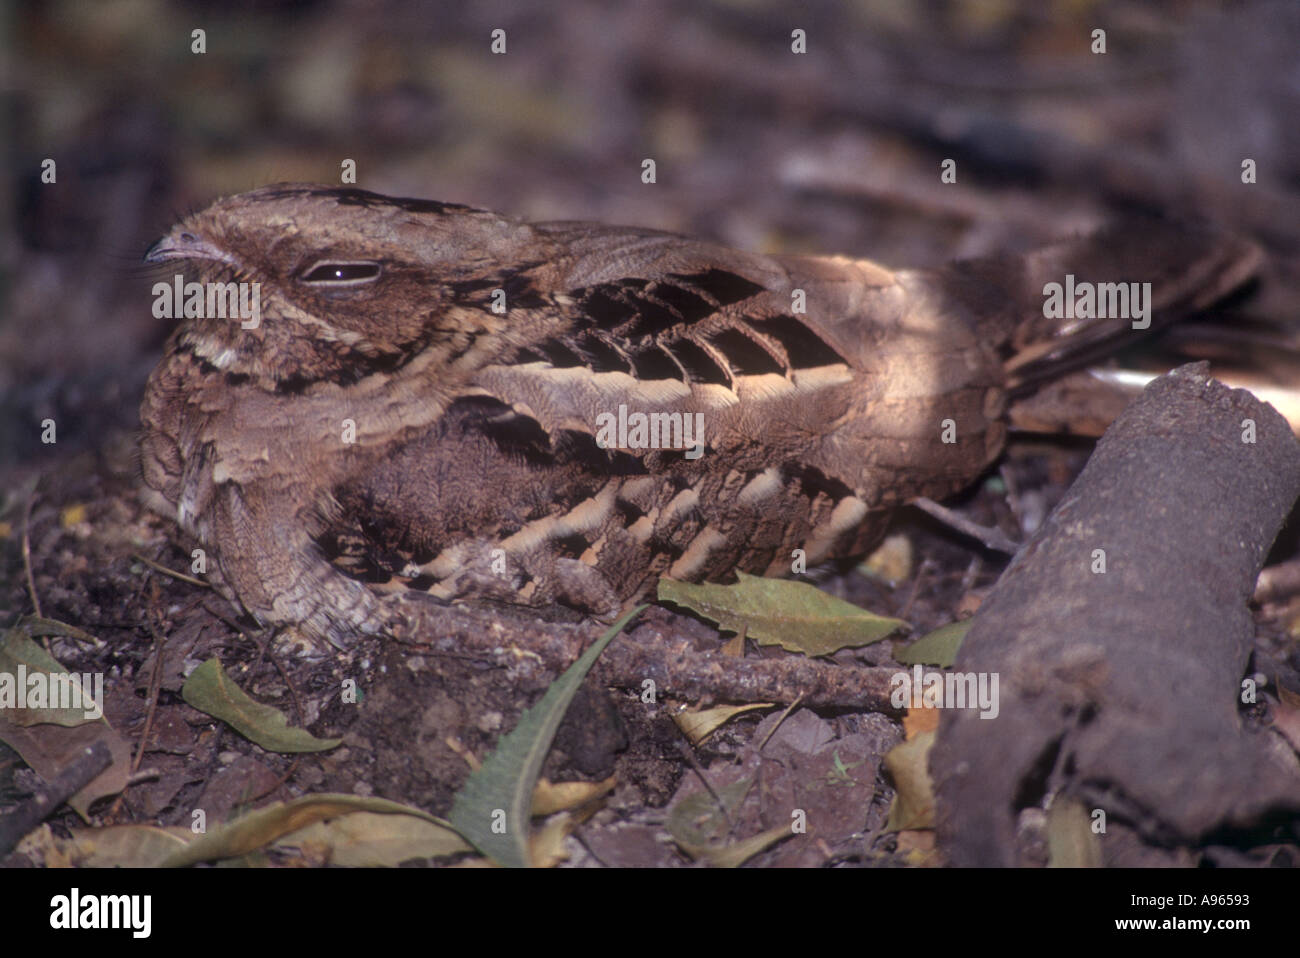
{"x": 430, "y": 398}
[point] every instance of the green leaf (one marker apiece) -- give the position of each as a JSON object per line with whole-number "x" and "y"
{"x": 34, "y": 625}
{"x": 794, "y": 615}
{"x": 116, "y": 846}
{"x": 698, "y": 824}
{"x": 211, "y": 691}
{"x": 492, "y": 810}
{"x": 699, "y": 827}
{"x": 255, "y": 830}
{"x": 373, "y": 840}
{"x": 937, "y": 648}
{"x": 733, "y": 856}
{"x": 49, "y": 739}
{"x": 1071, "y": 842}
{"x": 20, "y": 657}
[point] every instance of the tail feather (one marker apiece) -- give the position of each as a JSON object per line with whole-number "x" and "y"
{"x": 1188, "y": 268}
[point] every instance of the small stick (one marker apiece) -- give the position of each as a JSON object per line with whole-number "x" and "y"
{"x": 991, "y": 538}
{"x": 27, "y": 557}
{"x": 76, "y": 776}
{"x": 171, "y": 572}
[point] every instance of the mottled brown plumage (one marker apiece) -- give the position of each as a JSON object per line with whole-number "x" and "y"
{"x": 384, "y": 429}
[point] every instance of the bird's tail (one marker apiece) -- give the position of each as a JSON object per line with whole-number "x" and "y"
{"x": 1063, "y": 306}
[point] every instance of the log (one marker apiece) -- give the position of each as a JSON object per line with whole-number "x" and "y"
{"x": 1121, "y": 632}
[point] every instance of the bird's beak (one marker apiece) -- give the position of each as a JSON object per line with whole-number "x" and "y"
{"x": 185, "y": 245}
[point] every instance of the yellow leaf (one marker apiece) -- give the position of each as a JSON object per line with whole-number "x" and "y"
{"x": 72, "y": 515}
{"x": 551, "y": 797}
{"x": 913, "y": 806}
{"x": 697, "y": 726}
{"x": 920, "y": 720}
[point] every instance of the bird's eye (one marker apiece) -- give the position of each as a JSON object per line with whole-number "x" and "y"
{"x": 331, "y": 273}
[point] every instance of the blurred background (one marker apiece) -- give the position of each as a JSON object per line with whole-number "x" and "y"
{"x": 836, "y": 150}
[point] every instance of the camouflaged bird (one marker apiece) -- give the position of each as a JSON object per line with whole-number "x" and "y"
{"x": 422, "y": 404}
